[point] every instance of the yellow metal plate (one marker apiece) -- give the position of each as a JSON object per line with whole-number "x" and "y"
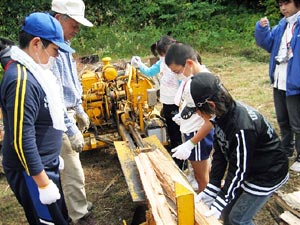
{"x": 130, "y": 171}
{"x": 185, "y": 205}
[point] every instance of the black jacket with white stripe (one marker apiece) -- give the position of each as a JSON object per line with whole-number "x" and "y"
{"x": 249, "y": 152}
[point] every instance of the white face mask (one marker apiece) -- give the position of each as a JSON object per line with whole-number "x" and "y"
{"x": 49, "y": 64}
{"x": 181, "y": 77}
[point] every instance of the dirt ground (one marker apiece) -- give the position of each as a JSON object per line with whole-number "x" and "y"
{"x": 105, "y": 183}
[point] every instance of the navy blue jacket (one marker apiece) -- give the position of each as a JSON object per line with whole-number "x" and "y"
{"x": 30, "y": 141}
{"x": 270, "y": 41}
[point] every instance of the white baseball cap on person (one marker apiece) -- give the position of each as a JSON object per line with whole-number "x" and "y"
{"x": 73, "y": 8}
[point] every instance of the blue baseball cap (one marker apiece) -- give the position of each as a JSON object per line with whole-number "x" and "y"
{"x": 45, "y": 26}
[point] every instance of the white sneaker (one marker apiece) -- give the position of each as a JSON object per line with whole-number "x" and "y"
{"x": 295, "y": 167}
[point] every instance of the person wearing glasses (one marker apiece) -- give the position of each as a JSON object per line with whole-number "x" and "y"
{"x": 247, "y": 154}
{"x": 169, "y": 84}
{"x": 182, "y": 59}
{"x": 33, "y": 119}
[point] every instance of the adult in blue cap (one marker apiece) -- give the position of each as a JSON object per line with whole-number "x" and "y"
{"x": 34, "y": 121}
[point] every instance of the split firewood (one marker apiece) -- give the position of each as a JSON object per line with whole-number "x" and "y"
{"x": 166, "y": 173}
{"x": 279, "y": 199}
{"x": 289, "y": 218}
{"x": 154, "y": 192}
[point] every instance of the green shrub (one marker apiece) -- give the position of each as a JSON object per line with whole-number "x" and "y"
{"x": 126, "y": 27}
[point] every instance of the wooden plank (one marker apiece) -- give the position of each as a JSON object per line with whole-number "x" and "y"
{"x": 278, "y": 196}
{"x": 154, "y": 192}
{"x": 289, "y": 218}
{"x": 292, "y": 199}
{"x": 168, "y": 173}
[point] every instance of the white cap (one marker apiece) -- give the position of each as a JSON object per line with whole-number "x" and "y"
{"x": 72, "y": 8}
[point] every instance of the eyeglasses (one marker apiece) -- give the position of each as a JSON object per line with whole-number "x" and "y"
{"x": 200, "y": 104}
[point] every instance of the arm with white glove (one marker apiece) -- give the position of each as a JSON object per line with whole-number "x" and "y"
{"x": 177, "y": 119}
{"x": 49, "y": 194}
{"x": 77, "y": 141}
{"x": 136, "y": 61}
{"x": 183, "y": 151}
{"x": 83, "y": 121}
{"x": 208, "y": 195}
{"x": 48, "y": 191}
{"x": 213, "y": 212}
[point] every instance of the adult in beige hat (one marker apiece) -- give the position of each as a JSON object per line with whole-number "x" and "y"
{"x": 73, "y": 8}
{"x": 70, "y": 14}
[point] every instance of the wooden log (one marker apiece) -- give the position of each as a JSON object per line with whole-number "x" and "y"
{"x": 289, "y": 218}
{"x": 279, "y": 200}
{"x": 154, "y": 192}
{"x": 292, "y": 199}
{"x": 274, "y": 212}
{"x": 168, "y": 173}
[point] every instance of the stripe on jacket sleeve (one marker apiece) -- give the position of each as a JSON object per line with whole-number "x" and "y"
{"x": 19, "y": 116}
{"x": 240, "y": 164}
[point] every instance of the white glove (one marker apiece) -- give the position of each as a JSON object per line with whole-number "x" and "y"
{"x": 136, "y": 61}
{"x": 49, "y": 194}
{"x": 206, "y": 199}
{"x": 183, "y": 151}
{"x": 77, "y": 142}
{"x": 83, "y": 121}
{"x": 213, "y": 212}
{"x": 61, "y": 165}
{"x": 177, "y": 119}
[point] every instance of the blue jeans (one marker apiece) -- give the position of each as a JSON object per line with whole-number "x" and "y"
{"x": 288, "y": 118}
{"x": 243, "y": 209}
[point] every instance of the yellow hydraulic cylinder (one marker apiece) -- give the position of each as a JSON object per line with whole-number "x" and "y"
{"x": 185, "y": 205}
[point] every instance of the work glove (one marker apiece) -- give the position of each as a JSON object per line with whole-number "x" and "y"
{"x": 49, "y": 194}
{"x": 77, "y": 141}
{"x": 136, "y": 61}
{"x": 183, "y": 151}
{"x": 83, "y": 122}
{"x": 213, "y": 212}
{"x": 61, "y": 165}
{"x": 177, "y": 119}
{"x": 208, "y": 195}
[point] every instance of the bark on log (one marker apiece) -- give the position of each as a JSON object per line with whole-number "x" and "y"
{"x": 154, "y": 192}
{"x": 156, "y": 164}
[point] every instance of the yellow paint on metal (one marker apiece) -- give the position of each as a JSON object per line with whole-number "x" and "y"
{"x": 130, "y": 171}
{"x": 90, "y": 142}
{"x": 185, "y": 205}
